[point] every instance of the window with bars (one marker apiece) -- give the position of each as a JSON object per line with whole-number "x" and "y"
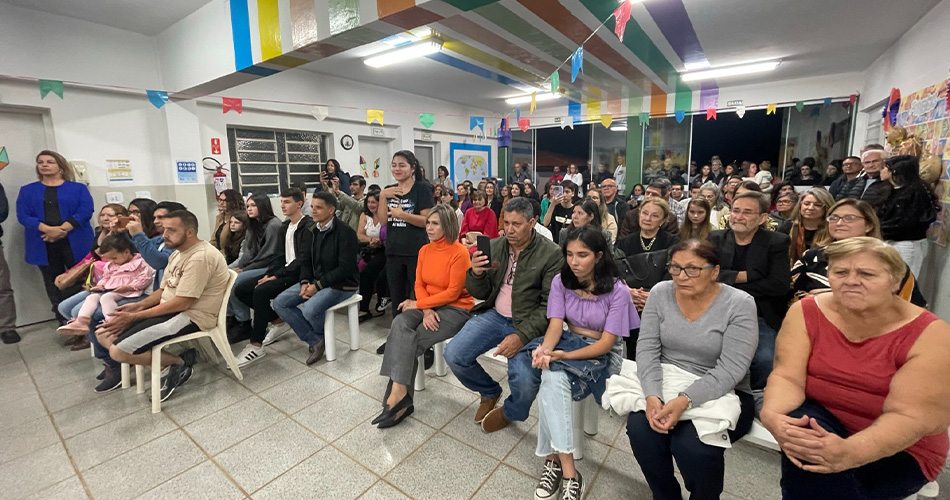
{"x": 270, "y": 161}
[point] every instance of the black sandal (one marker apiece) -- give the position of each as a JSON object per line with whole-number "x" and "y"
{"x": 393, "y": 416}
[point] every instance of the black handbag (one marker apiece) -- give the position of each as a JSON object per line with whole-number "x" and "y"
{"x": 644, "y": 270}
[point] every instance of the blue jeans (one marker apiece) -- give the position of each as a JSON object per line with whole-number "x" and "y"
{"x": 69, "y": 308}
{"x": 307, "y": 321}
{"x": 763, "y": 357}
{"x": 480, "y": 335}
{"x": 236, "y": 308}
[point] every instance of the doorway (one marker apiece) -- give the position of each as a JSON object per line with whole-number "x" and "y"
{"x": 426, "y": 154}
{"x": 376, "y": 152}
{"x": 24, "y": 135}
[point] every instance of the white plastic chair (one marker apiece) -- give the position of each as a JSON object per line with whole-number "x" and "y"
{"x": 218, "y": 335}
{"x": 441, "y": 369}
{"x": 351, "y": 305}
{"x": 586, "y": 421}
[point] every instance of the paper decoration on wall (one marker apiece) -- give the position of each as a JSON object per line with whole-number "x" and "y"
{"x": 621, "y": 16}
{"x": 320, "y": 112}
{"x": 229, "y": 103}
{"x": 534, "y": 102}
{"x": 567, "y": 121}
{"x": 644, "y": 118}
{"x": 740, "y": 111}
{"x": 363, "y": 166}
{"x": 577, "y": 63}
{"x": 524, "y": 123}
{"x": 374, "y": 115}
{"x": 890, "y": 109}
{"x": 853, "y": 98}
{"x": 574, "y": 111}
{"x": 827, "y": 101}
{"x": 555, "y": 82}
{"x": 158, "y": 98}
{"x": 427, "y": 119}
{"x": 376, "y": 168}
{"x": 711, "y": 114}
{"x": 680, "y": 116}
{"x": 606, "y": 119}
{"x": 476, "y": 121}
{"x": 517, "y": 114}
{"x": 593, "y": 109}
{"x": 800, "y": 105}
{"x": 54, "y": 86}
{"x": 4, "y": 157}
{"x": 770, "y": 109}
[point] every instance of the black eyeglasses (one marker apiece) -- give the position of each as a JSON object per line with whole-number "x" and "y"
{"x": 847, "y": 218}
{"x": 691, "y": 271}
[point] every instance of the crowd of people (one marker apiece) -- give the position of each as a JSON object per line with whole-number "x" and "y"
{"x": 690, "y": 307}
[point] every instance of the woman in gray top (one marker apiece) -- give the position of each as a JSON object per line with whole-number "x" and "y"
{"x": 707, "y": 329}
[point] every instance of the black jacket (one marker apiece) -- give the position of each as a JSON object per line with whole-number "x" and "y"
{"x": 620, "y": 208}
{"x": 876, "y": 192}
{"x": 279, "y": 268}
{"x": 907, "y": 213}
{"x": 768, "y": 271}
{"x": 842, "y": 188}
{"x": 329, "y": 258}
{"x": 4, "y": 207}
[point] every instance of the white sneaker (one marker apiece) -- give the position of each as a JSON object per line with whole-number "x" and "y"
{"x": 250, "y": 354}
{"x": 383, "y": 304}
{"x": 275, "y": 332}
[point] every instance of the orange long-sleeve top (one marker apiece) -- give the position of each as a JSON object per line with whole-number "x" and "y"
{"x": 440, "y": 276}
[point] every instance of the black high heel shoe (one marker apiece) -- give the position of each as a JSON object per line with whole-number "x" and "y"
{"x": 393, "y": 416}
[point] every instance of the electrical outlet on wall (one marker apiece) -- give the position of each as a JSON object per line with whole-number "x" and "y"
{"x": 79, "y": 166}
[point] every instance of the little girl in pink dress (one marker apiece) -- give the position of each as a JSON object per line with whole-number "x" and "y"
{"x": 125, "y": 275}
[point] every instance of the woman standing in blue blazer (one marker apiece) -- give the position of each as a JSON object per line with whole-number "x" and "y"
{"x": 55, "y": 214}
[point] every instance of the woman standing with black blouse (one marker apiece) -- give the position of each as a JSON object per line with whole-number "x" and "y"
{"x": 55, "y": 213}
{"x": 908, "y": 210}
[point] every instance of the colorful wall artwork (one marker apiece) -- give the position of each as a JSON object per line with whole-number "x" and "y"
{"x": 470, "y": 162}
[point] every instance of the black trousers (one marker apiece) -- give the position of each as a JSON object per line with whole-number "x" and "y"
{"x": 890, "y": 478}
{"x": 60, "y": 258}
{"x": 401, "y": 274}
{"x": 373, "y": 277}
{"x": 259, "y": 298}
{"x": 703, "y": 466}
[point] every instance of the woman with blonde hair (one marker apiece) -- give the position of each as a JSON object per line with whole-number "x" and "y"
{"x": 808, "y": 221}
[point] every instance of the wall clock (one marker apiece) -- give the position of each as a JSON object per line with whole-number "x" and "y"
{"x": 347, "y": 142}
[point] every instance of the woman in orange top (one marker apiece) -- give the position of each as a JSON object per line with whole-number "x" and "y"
{"x": 439, "y": 311}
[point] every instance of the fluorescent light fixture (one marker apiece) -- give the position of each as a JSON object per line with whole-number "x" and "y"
{"x": 694, "y": 65}
{"x": 404, "y": 53}
{"x": 742, "y": 69}
{"x": 618, "y": 128}
{"x": 525, "y": 99}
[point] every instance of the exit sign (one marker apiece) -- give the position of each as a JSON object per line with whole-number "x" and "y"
{"x": 377, "y": 132}
{"x": 427, "y": 136}
{"x": 737, "y": 102}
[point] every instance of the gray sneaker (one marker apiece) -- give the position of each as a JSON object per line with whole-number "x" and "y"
{"x": 573, "y": 487}
{"x": 550, "y": 482}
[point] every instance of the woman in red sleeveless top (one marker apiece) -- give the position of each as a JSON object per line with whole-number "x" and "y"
{"x": 859, "y": 398}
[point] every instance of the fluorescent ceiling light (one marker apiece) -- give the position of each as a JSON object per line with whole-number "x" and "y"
{"x": 742, "y": 69}
{"x": 398, "y": 55}
{"x": 524, "y": 99}
{"x": 618, "y": 128}
{"x": 694, "y": 65}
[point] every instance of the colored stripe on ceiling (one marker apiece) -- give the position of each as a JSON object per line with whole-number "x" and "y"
{"x": 708, "y": 95}
{"x": 386, "y": 8}
{"x": 303, "y": 22}
{"x": 259, "y": 71}
{"x": 489, "y": 60}
{"x": 471, "y": 68}
{"x": 268, "y": 22}
{"x": 673, "y": 20}
{"x": 469, "y": 4}
{"x": 241, "y": 34}
{"x": 344, "y": 15}
{"x": 412, "y": 18}
{"x": 658, "y": 102}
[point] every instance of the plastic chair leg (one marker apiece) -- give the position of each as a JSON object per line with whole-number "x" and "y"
{"x": 420, "y": 384}
{"x": 591, "y": 416}
{"x": 577, "y": 412}
{"x": 126, "y": 376}
{"x": 207, "y": 350}
{"x": 441, "y": 368}
{"x": 353, "y": 311}
{"x": 329, "y": 335}
{"x": 139, "y": 379}
{"x": 221, "y": 342}
{"x": 156, "y": 380}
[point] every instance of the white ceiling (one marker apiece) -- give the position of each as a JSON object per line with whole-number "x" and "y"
{"x": 148, "y": 17}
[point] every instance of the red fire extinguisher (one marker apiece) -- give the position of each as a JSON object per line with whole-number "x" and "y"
{"x": 220, "y": 176}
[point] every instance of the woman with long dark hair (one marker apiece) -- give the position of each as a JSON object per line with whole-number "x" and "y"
{"x": 697, "y": 225}
{"x": 444, "y": 180}
{"x": 372, "y": 257}
{"x": 229, "y": 202}
{"x": 260, "y": 244}
{"x": 908, "y": 211}
{"x": 237, "y": 230}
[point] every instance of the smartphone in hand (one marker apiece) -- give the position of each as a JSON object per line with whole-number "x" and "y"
{"x": 558, "y": 190}
{"x": 484, "y": 246}
{"x": 122, "y": 222}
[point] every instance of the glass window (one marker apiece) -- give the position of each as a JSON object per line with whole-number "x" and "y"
{"x": 609, "y": 153}
{"x": 666, "y": 149}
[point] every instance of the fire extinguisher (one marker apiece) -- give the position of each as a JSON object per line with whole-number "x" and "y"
{"x": 219, "y": 176}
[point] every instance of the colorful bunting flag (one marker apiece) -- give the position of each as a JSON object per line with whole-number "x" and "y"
{"x": 476, "y": 121}
{"x": 534, "y": 102}
{"x": 524, "y": 123}
{"x": 577, "y": 63}
{"x": 158, "y": 98}
{"x": 740, "y": 111}
{"x": 606, "y": 119}
{"x": 4, "y": 157}
{"x": 374, "y": 115}
{"x": 680, "y": 115}
{"x": 621, "y": 16}
{"x": 320, "y": 112}
{"x": 229, "y": 103}
{"x": 426, "y": 119}
{"x": 574, "y": 111}
{"x": 555, "y": 82}
{"x": 363, "y": 166}
{"x": 644, "y": 118}
{"x": 800, "y": 105}
{"x": 711, "y": 114}
{"x": 517, "y": 113}
{"x": 827, "y": 101}
{"x": 376, "y": 168}
{"x": 854, "y": 98}
{"x": 593, "y": 109}
{"x": 54, "y": 86}
{"x": 770, "y": 109}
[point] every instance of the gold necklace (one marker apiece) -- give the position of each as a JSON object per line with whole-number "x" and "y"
{"x": 644, "y": 246}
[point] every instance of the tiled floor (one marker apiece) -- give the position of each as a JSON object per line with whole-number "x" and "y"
{"x": 286, "y": 431}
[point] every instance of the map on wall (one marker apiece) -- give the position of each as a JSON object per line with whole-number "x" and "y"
{"x": 470, "y": 162}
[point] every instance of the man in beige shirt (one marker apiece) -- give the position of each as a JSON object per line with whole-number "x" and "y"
{"x": 187, "y": 301}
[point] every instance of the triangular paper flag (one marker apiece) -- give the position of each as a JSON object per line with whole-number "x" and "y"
{"x": 800, "y": 105}
{"x": 740, "y": 111}
{"x": 593, "y": 109}
{"x": 229, "y": 103}
{"x": 476, "y": 121}
{"x": 555, "y": 82}
{"x": 606, "y": 119}
{"x": 621, "y": 16}
{"x": 54, "y": 86}
{"x": 574, "y": 111}
{"x": 567, "y": 121}
{"x": 827, "y": 101}
{"x": 644, "y": 118}
{"x": 4, "y": 157}
{"x": 854, "y": 97}
{"x": 770, "y": 109}
{"x": 517, "y": 113}
{"x": 374, "y": 115}
{"x": 158, "y": 98}
{"x": 534, "y": 102}
{"x": 680, "y": 115}
{"x": 320, "y": 112}
{"x": 363, "y": 166}
{"x": 524, "y": 123}
{"x": 577, "y": 63}
{"x": 427, "y": 119}
{"x": 710, "y": 114}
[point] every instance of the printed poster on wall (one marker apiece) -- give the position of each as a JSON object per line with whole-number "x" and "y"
{"x": 924, "y": 114}
{"x": 119, "y": 172}
{"x": 470, "y": 162}
{"x": 187, "y": 172}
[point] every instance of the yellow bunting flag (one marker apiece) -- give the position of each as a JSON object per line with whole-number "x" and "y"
{"x": 534, "y": 102}
{"x": 593, "y": 109}
{"x": 770, "y": 109}
{"x": 374, "y": 115}
{"x": 606, "y": 119}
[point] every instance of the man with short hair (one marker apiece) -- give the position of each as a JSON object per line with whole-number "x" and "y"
{"x": 518, "y": 176}
{"x": 7, "y": 305}
{"x": 659, "y": 188}
{"x": 851, "y": 184}
{"x": 676, "y": 190}
{"x": 557, "y": 176}
{"x": 716, "y": 174}
{"x": 513, "y": 313}
{"x": 154, "y": 250}
{"x": 295, "y": 232}
{"x": 875, "y": 191}
{"x": 187, "y": 301}
{"x": 328, "y": 275}
{"x": 351, "y": 204}
{"x": 755, "y": 261}
{"x": 616, "y": 205}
